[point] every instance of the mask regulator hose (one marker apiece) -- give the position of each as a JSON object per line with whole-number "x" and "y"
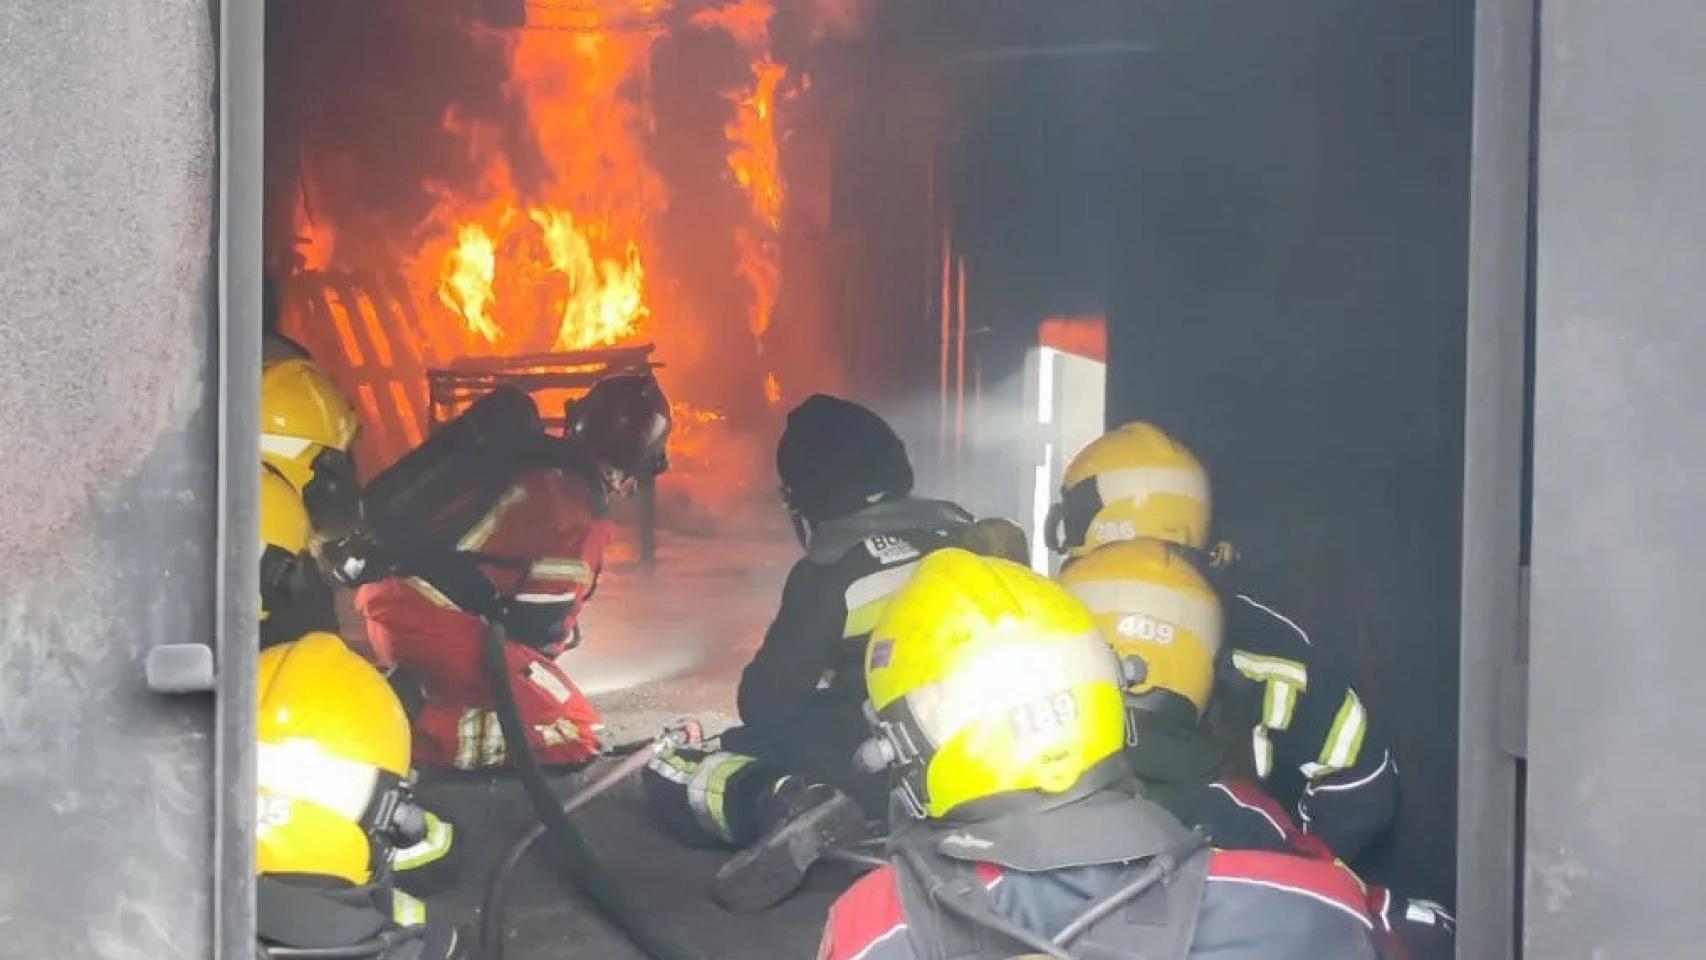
{"x": 575, "y": 857}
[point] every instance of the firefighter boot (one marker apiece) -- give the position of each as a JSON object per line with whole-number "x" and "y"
{"x": 805, "y": 820}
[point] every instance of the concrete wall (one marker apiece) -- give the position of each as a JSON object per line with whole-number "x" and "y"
{"x": 107, "y": 473}
{"x": 1616, "y": 784}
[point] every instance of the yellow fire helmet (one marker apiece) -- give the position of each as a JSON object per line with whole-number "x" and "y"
{"x": 284, "y": 536}
{"x": 332, "y": 756}
{"x": 1134, "y": 481}
{"x": 989, "y": 686}
{"x": 303, "y": 414}
{"x": 1152, "y": 604}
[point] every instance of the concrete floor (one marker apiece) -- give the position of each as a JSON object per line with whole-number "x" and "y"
{"x": 658, "y": 645}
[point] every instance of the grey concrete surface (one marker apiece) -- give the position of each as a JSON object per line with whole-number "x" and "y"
{"x": 106, "y": 475}
{"x": 1616, "y": 719}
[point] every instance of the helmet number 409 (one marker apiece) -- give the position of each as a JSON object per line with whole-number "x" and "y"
{"x": 1044, "y": 716}
{"x": 1140, "y": 627}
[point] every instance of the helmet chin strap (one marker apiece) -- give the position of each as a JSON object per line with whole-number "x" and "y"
{"x": 802, "y": 529}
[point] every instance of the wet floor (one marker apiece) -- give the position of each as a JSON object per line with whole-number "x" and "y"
{"x": 670, "y": 640}
{"x": 658, "y": 644}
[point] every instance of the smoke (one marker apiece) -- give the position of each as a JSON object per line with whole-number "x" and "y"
{"x": 839, "y": 19}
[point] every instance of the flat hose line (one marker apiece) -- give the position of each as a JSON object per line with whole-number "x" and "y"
{"x": 576, "y": 857}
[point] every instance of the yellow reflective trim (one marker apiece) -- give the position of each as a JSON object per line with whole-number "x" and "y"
{"x": 1263, "y": 669}
{"x": 431, "y": 593}
{"x": 1263, "y": 750}
{"x": 468, "y": 740}
{"x": 406, "y": 910}
{"x": 433, "y": 848}
{"x": 1279, "y": 702}
{"x": 560, "y": 568}
{"x": 1344, "y": 740}
{"x": 705, "y": 794}
{"x": 477, "y": 536}
{"x": 863, "y": 620}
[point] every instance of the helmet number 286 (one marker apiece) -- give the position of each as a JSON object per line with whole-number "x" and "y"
{"x": 1044, "y": 716}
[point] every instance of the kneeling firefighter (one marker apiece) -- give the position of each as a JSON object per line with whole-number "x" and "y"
{"x": 1163, "y": 618}
{"x": 310, "y": 498}
{"x": 495, "y": 521}
{"x": 308, "y": 484}
{"x": 479, "y": 547}
{"x": 998, "y": 706}
{"x": 333, "y": 806}
{"x": 783, "y": 785}
{"x": 1312, "y": 739}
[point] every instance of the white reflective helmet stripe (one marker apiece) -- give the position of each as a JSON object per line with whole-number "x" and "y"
{"x": 1194, "y": 612}
{"x": 1344, "y": 740}
{"x": 1009, "y": 677}
{"x": 1263, "y": 669}
{"x": 281, "y": 445}
{"x": 1137, "y": 484}
{"x": 301, "y": 770}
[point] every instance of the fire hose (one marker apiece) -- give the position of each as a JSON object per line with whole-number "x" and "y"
{"x": 633, "y": 760}
{"x": 576, "y": 858}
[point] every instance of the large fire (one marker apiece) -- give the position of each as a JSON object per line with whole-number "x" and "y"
{"x": 542, "y": 205}
{"x": 563, "y": 263}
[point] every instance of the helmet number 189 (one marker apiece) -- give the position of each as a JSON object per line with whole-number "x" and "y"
{"x": 1044, "y": 716}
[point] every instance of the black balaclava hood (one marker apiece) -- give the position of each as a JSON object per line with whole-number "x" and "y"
{"x": 837, "y": 457}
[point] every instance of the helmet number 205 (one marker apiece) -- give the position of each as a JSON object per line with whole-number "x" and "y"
{"x": 1139, "y": 627}
{"x": 1044, "y": 716}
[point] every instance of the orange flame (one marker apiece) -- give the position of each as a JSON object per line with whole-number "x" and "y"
{"x": 466, "y": 286}
{"x": 755, "y": 160}
{"x": 565, "y": 266}
{"x": 315, "y": 239}
{"x": 753, "y": 156}
{"x": 772, "y": 389}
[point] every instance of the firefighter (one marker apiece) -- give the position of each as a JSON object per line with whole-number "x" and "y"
{"x": 309, "y": 498}
{"x": 333, "y": 805}
{"x": 308, "y": 429}
{"x": 527, "y": 561}
{"x": 998, "y": 708}
{"x": 783, "y": 785}
{"x": 1312, "y": 740}
{"x": 1164, "y": 620}
{"x": 284, "y": 547}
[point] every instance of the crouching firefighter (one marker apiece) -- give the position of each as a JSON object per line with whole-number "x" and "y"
{"x": 998, "y": 706}
{"x": 1312, "y": 740}
{"x": 495, "y": 521}
{"x": 333, "y": 807}
{"x": 309, "y": 492}
{"x": 1164, "y": 622}
{"x": 783, "y": 786}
